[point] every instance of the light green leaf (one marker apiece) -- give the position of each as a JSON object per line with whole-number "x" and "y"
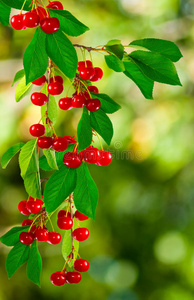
{"x": 115, "y": 47}
{"x": 51, "y": 159}
{"x": 28, "y": 158}
{"x": 67, "y": 246}
{"x": 22, "y": 89}
{"x": 32, "y": 185}
{"x": 101, "y": 123}
{"x": 108, "y": 105}
{"x": 114, "y": 63}
{"x": 18, "y": 76}
{"x": 10, "y": 153}
{"x": 52, "y": 110}
{"x": 84, "y": 131}
{"x": 34, "y": 265}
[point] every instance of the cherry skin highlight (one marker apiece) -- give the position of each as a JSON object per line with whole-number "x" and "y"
{"x": 73, "y": 277}
{"x": 41, "y": 234}
{"x": 37, "y": 130}
{"x": 93, "y": 104}
{"x": 80, "y": 216}
{"x": 72, "y": 160}
{"x": 87, "y": 73}
{"x": 31, "y": 20}
{"x": 54, "y": 238}
{"x": 81, "y": 234}
{"x": 60, "y": 144}
{"x": 65, "y": 103}
{"x": 45, "y": 142}
{"x": 91, "y": 155}
{"x": 34, "y": 206}
{"x": 39, "y": 99}
{"x": 17, "y": 22}
{"x": 50, "y": 25}
{"x": 65, "y": 223}
{"x": 26, "y": 238}
{"x": 81, "y": 265}
{"x": 55, "y": 88}
{"x": 58, "y": 278}
{"x": 105, "y": 159}
{"x": 22, "y": 208}
{"x": 78, "y": 101}
{"x": 40, "y": 81}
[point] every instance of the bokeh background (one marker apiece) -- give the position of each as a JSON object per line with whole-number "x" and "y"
{"x": 141, "y": 245}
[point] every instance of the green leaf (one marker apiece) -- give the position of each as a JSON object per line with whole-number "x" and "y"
{"x": 34, "y": 265}
{"x": 108, "y": 105}
{"x": 68, "y": 23}
{"x": 5, "y": 13}
{"x": 32, "y": 185}
{"x": 84, "y": 130}
{"x": 86, "y": 193}
{"x": 166, "y": 48}
{"x": 16, "y": 258}
{"x": 35, "y": 58}
{"x": 156, "y": 66}
{"x": 10, "y": 153}
{"x": 115, "y": 47}
{"x": 144, "y": 83}
{"x": 67, "y": 246}
{"x": 12, "y": 236}
{"x": 101, "y": 123}
{"x": 18, "y": 76}
{"x": 114, "y": 63}
{"x": 18, "y": 4}
{"x": 60, "y": 185}
{"x": 51, "y": 159}
{"x": 22, "y": 89}
{"x": 62, "y": 53}
{"x": 52, "y": 110}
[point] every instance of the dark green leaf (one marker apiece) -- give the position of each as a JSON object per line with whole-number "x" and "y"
{"x": 18, "y": 76}
{"x": 114, "y": 63}
{"x": 18, "y": 4}
{"x": 51, "y": 158}
{"x": 115, "y": 47}
{"x": 86, "y": 193}
{"x": 5, "y": 13}
{"x": 22, "y": 89}
{"x": 108, "y": 105}
{"x": 10, "y": 153}
{"x": 101, "y": 123}
{"x": 16, "y": 258}
{"x": 35, "y": 57}
{"x": 32, "y": 185}
{"x": 84, "y": 131}
{"x": 34, "y": 265}
{"x": 12, "y": 236}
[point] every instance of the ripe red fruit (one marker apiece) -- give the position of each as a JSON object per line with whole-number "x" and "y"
{"x": 80, "y": 216}
{"x": 22, "y": 208}
{"x": 31, "y": 20}
{"x": 50, "y": 25}
{"x": 39, "y": 99}
{"x": 97, "y": 75}
{"x": 17, "y": 22}
{"x": 72, "y": 160}
{"x": 55, "y": 5}
{"x": 41, "y": 12}
{"x": 40, "y": 81}
{"x": 84, "y": 64}
{"x": 81, "y": 265}
{"x": 27, "y": 222}
{"x": 78, "y": 101}
{"x": 56, "y": 79}
{"x": 26, "y": 238}
{"x": 60, "y": 144}
{"x": 34, "y": 206}
{"x": 45, "y": 142}
{"x": 65, "y": 103}
{"x": 73, "y": 277}
{"x": 63, "y": 213}
{"x": 55, "y": 88}
{"x": 70, "y": 139}
{"x": 87, "y": 73}
{"x": 41, "y": 234}
{"x": 91, "y": 155}
{"x": 81, "y": 234}
{"x": 65, "y": 223}
{"x": 54, "y": 238}
{"x": 93, "y": 104}
{"x": 58, "y": 278}
{"x": 105, "y": 159}
{"x": 93, "y": 89}
{"x": 37, "y": 130}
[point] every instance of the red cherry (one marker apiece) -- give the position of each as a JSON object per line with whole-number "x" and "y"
{"x": 84, "y": 64}
{"x": 37, "y": 130}
{"x": 78, "y": 101}
{"x": 55, "y": 5}
{"x": 56, "y": 79}
{"x": 81, "y": 234}
{"x": 64, "y": 213}
{"x": 45, "y": 142}
{"x": 93, "y": 104}
{"x": 105, "y": 159}
{"x": 73, "y": 277}
{"x": 87, "y": 73}
{"x": 40, "y": 81}
{"x": 70, "y": 139}
{"x": 31, "y": 19}
{"x": 58, "y": 278}
{"x": 93, "y": 89}
{"x": 33, "y": 229}
{"x": 54, "y": 238}
{"x": 55, "y": 88}
{"x": 26, "y": 238}
{"x": 23, "y": 209}
{"x": 60, "y": 144}
{"x": 17, "y": 22}
{"x": 34, "y": 206}
{"x": 80, "y": 216}
{"x": 27, "y": 222}
{"x": 41, "y": 234}
{"x": 50, "y": 25}
{"x": 65, "y": 103}
{"x": 65, "y": 223}
{"x": 72, "y": 160}
{"x": 98, "y": 74}
{"x": 39, "y": 99}
{"x": 81, "y": 265}
{"x": 91, "y": 155}
{"x": 41, "y": 12}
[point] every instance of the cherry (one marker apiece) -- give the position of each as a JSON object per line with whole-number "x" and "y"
{"x": 81, "y": 234}
{"x": 55, "y": 88}
{"x": 37, "y": 130}
{"x": 40, "y": 81}
{"x": 31, "y": 19}
{"x": 93, "y": 89}
{"x": 93, "y": 104}
{"x": 17, "y": 22}
{"x": 41, "y": 234}
{"x": 64, "y": 213}
{"x": 33, "y": 229}
{"x": 50, "y": 25}
{"x": 91, "y": 155}
{"x": 81, "y": 265}
{"x": 26, "y": 238}
{"x": 58, "y": 278}
{"x": 73, "y": 277}
{"x": 27, "y": 222}
{"x": 34, "y": 206}
{"x": 45, "y": 142}
{"x": 87, "y": 73}
{"x": 39, "y": 99}
{"x": 65, "y": 103}
{"x": 78, "y": 101}
{"x": 41, "y": 12}
{"x": 55, "y": 5}
{"x": 56, "y": 79}
{"x": 105, "y": 159}
{"x": 54, "y": 238}
{"x": 72, "y": 160}
{"x": 22, "y": 208}
{"x": 84, "y": 64}
{"x": 60, "y": 144}
{"x": 98, "y": 74}
{"x": 70, "y": 139}
{"x": 65, "y": 223}
{"x": 80, "y": 216}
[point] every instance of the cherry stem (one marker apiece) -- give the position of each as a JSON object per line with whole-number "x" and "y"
{"x": 23, "y": 7}
{"x": 49, "y": 79}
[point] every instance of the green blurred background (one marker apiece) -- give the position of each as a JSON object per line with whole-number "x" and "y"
{"x": 141, "y": 245}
